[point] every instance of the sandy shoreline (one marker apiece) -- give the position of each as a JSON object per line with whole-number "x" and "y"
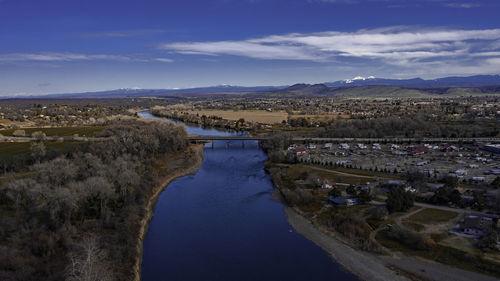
{"x": 194, "y": 165}
{"x": 364, "y": 265}
{"x": 369, "y": 266}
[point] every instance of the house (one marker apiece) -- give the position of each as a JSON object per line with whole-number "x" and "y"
{"x": 394, "y": 146}
{"x": 326, "y": 185}
{"x": 416, "y": 150}
{"x": 311, "y": 146}
{"x": 361, "y": 146}
{"x": 395, "y": 182}
{"x": 344, "y": 146}
{"x": 478, "y": 179}
{"x": 476, "y": 225}
{"x": 435, "y": 186}
{"x": 422, "y": 163}
{"x": 460, "y": 173}
{"x": 376, "y": 146}
{"x": 300, "y": 151}
{"x": 495, "y": 148}
{"x": 328, "y": 145}
{"x": 345, "y": 201}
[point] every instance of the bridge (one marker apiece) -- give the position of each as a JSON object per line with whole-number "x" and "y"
{"x": 338, "y": 140}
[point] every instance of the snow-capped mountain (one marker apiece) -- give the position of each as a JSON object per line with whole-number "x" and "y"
{"x": 358, "y": 78}
{"x": 470, "y": 81}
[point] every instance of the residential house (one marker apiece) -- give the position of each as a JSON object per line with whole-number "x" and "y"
{"x": 476, "y": 225}
{"x": 345, "y": 201}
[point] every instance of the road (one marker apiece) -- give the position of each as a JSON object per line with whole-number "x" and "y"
{"x": 444, "y": 208}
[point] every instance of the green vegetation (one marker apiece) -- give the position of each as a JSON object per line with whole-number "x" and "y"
{"x": 87, "y": 131}
{"x": 399, "y": 200}
{"x": 21, "y": 149}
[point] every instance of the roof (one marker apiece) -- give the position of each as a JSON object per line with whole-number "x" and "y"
{"x": 417, "y": 149}
{"x": 477, "y": 222}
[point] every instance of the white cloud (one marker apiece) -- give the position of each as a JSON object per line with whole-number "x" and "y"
{"x": 164, "y": 60}
{"x": 72, "y": 57}
{"x": 401, "y": 46}
{"x": 57, "y": 57}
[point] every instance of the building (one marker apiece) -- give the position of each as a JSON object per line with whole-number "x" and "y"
{"x": 476, "y": 225}
{"x": 350, "y": 201}
{"x": 300, "y": 151}
{"x": 344, "y": 146}
{"x": 326, "y": 185}
{"x": 495, "y": 148}
{"x": 416, "y": 150}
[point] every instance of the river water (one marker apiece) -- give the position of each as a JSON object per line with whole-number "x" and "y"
{"x": 221, "y": 224}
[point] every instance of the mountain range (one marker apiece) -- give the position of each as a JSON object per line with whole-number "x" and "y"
{"x": 355, "y": 87}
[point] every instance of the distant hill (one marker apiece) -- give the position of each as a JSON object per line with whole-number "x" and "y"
{"x": 355, "y": 87}
{"x": 127, "y": 92}
{"x": 470, "y": 81}
{"x": 378, "y": 91}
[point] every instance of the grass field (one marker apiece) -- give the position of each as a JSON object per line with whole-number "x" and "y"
{"x": 260, "y": 116}
{"x": 296, "y": 170}
{"x": 320, "y": 117}
{"x": 13, "y": 149}
{"x": 432, "y": 216}
{"x": 59, "y": 131}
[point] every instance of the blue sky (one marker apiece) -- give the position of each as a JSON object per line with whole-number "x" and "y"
{"x": 58, "y": 46}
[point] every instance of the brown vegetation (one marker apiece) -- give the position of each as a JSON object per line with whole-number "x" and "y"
{"x": 86, "y": 203}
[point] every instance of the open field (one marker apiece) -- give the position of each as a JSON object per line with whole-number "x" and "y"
{"x": 59, "y": 131}
{"x": 13, "y": 149}
{"x": 321, "y": 117}
{"x": 431, "y": 216}
{"x": 333, "y": 175}
{"x": 260, "y": 116}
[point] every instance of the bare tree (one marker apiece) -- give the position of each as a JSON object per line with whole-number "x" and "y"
{"x": 38, "y": 151}
{"x": 87, "y": 262}
{"x": 39, "y": 136}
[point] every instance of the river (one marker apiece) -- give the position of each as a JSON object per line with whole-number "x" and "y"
{"x": 221, "y": 224}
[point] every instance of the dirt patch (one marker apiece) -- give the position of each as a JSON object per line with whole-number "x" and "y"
{"x": 259, "y": 116}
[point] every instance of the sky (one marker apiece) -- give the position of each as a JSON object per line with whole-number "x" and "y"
{"x": 66, "y": 46}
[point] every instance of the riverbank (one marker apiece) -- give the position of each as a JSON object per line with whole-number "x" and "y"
{"x": 371, "y": 266}
{"x": 172, "y": 170}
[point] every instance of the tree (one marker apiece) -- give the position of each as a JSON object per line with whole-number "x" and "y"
{"x": 364, "y": 196}
{"x": 489, "y": 241}
{"x": 39, "y": 136}
{"x": 38, "y": 151}
{"x": 378, "y": 213}
{"x": 496, "y": 182}
{"x": 350, "y": 190}
{"x": 399, "y": 200}
{"x": 335, "y": 192}
{"x": 87, "y": 262}
{"x": 19, "y": 133}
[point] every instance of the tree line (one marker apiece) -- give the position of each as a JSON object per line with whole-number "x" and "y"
{"x": 75, "y": 217}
